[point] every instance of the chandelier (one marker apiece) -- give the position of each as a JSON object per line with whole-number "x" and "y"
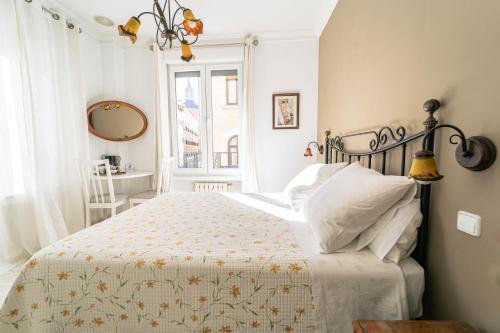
{"x": 167, "y": 31}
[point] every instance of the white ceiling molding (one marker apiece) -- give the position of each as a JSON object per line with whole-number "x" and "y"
{"x": 326, "y": 14}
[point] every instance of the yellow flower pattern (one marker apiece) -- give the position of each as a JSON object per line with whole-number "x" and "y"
{"x": 184, "y": 262}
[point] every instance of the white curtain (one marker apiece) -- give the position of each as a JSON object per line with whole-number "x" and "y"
{"x": 42, "y": 129}
{"x": 249, "y": 159}
{"x": 162, "y": 123}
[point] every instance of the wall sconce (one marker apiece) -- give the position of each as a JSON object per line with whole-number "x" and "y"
{"x": 476, "y": 153}
{"x": 309, "y": 153}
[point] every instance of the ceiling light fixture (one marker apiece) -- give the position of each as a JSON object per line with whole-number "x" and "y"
{"x": 103, "y": 20}
{"x": 167, "y": 30}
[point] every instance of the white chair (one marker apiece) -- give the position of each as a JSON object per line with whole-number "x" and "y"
{"x": 164, "y": 183}
{"x": 95, "y": 196}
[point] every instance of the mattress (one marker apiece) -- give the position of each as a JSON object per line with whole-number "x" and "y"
{"x": 349, "y": 286}
{"x": 204, "y": 262}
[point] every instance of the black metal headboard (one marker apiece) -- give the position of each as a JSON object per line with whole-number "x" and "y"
{"x": 384, "y": 140}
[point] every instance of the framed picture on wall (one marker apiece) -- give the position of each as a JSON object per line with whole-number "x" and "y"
{"x": 286, "y": 110}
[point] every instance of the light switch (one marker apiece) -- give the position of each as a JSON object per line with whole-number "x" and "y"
{"x": 469, "y": 223}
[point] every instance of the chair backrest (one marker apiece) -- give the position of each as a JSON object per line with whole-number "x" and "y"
{"x": 165, "y": 176}
{"x": 92, "y": 181}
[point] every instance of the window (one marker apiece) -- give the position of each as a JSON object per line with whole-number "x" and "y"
{"x": 206, "y": 118}
{"x": 232, "y": 90}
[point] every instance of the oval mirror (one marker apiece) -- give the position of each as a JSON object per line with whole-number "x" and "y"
{"x": 116, "y": 121}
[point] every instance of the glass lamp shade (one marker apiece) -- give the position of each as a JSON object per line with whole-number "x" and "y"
{"x": 188, "y": 15}
{"x": 130, "y": 29}
{"x": 423, "y": 168}
{"x": 308, "y": 152}
{"x": 187, "y": 56}
{"x": 193, "y": 28}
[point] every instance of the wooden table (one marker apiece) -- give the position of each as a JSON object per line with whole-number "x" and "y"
{"x": 412, "y": 326}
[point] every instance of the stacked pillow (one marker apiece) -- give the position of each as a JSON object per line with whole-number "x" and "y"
{"x": 308, "y": 181}
{"x": 399, "y": 237}
{"x": 356, "y": 200}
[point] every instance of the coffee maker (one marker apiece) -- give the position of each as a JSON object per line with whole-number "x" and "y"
{"x": 114, "y": 160}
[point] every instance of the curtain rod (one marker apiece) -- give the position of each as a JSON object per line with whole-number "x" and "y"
{"x": 57, "y": 17}
{"x": 255, "y": 43}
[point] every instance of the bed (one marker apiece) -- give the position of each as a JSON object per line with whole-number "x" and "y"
{"x": 205, "y": 262}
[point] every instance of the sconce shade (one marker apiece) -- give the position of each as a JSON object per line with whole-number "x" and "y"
{"x": 423, "y": 168}
{"x": 308, "y": 152}
{"x": 193, "y": 28}
{"x": 187, "y": 56}
{"x": 130, "y": 29}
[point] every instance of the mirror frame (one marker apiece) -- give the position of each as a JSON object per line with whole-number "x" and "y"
{"x": 94, "y": 106}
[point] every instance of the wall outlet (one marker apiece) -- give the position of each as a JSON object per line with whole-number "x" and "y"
{"x": 469, "y": 223}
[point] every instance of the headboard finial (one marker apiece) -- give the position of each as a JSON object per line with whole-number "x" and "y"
{"x": 328, "y": 133}
{"x": 431, "y": 106}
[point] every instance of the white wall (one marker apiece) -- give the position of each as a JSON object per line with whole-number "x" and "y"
{"x": 284, "y": 66}
{"x": 126, "y": 74}
{"x": 112, "y": 72}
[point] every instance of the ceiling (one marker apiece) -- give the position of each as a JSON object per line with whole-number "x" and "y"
{"x": 223, "y": 19}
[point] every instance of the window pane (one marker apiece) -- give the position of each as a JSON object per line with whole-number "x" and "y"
{"x": 231, "y": 91}
{"x": 225, "y": 118}
{"x": 187, "y": 94}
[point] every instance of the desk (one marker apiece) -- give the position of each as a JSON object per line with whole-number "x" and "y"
{"x": 126, "y": 188}
{"x": 133, "y": 174}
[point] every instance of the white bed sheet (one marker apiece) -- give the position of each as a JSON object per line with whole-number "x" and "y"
{"x": 349, "y": 286}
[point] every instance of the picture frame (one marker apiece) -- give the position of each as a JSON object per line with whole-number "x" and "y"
{"x": 286, "y": 108}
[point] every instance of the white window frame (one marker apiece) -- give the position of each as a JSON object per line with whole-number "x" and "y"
{"x": 206, "y": 121}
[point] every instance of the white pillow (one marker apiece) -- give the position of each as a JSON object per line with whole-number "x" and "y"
{"x": 308, "y": 181}
{"x": 314, "y": 173}
{"x": 298, "y": 195}
{"x": 350, "y": 202}
{"x": 367, "y": 236}
{"x": 398, "y": 238}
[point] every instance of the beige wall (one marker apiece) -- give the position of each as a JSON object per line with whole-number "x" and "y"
{"x": 379, "y": 61}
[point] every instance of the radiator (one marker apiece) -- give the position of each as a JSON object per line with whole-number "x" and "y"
{"x": 211, "y": 187}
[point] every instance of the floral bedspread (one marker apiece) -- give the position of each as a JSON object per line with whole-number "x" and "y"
{"x": 184, "y": 262}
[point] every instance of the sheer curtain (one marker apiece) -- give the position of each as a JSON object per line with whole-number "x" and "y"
{"x": 42, "y": 129}
{"x": 249, "y": 160}
{"x": 162, "y": 123}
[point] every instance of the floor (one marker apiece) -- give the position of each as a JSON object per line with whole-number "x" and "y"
{"x": 7, "y": 278}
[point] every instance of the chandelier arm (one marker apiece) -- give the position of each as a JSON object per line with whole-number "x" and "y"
{"x": 194, "y": 41}
{"x": 161, "y": 14}
{"x": 151, "y": 13}
{"x": 182, "y": 34}
{"x": 157, "y": 23}
{"x": 165, "y": 7}
{"x": 180, "y": 6}
{"x": 175, "y": 14}
{"x": 158, "y": 40}
{"x": 170, "y": 21}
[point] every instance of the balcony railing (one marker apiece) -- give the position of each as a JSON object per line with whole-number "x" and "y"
{"x": 222, "y": 160}
{"x": 191, "y": 161}
{"x": 225, "y": 160}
